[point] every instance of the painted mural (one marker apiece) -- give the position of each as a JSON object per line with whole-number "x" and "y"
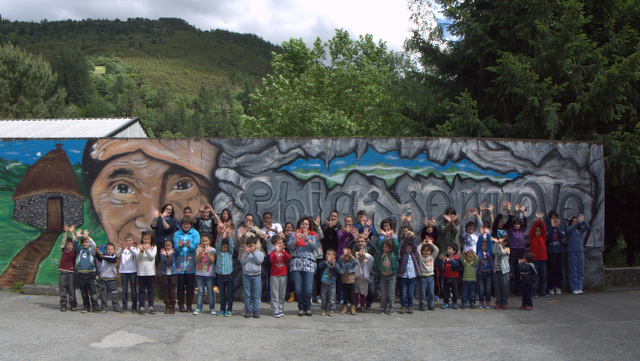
{"x": 113, "y": 186}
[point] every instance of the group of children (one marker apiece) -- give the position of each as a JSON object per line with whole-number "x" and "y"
{"x": 353, "y": 262}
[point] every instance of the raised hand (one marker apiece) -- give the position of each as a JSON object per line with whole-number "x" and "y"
{"x": 410, "y": 218}
{"x": 156, "y": 213}
{"x": 369, "y": 222}
{"x": 85, "y": 233}
{"x": 581, "y": 218}
{"x": 403, "y": 217}
{"x": 425, "y": 221}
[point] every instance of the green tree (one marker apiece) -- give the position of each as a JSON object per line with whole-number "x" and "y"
{"x": 27, "y": 86}
{"x": 560, "y": 69}
{"x": 342, "y": 87}
{"x": 74, "y": 75}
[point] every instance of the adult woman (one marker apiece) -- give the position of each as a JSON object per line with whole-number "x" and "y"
{"x": 164, "y": 223}
{"x": 303, "y": 244}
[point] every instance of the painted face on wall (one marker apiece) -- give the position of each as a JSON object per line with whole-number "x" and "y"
{"x": 139, "y": 178}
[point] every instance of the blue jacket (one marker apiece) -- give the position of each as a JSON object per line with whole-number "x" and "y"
{"x": 346, "y": 266}
{"x": 404, "y": 256}
{"x": 554, "y": 239}
{"x": 85, "y": 259}
{"x": 186, "y": 262}
{"x": 332, "y": 272}
{"x": 575, "y": 237}
{"x": 169, "y": 264}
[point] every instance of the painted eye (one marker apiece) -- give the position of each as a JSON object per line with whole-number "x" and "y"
{"x": 183, "y": 185}
{"x": 122, "y": 188}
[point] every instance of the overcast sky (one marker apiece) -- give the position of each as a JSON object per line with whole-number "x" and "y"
{"x": 273, "y": 20}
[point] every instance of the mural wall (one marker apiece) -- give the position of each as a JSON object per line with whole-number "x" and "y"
{"x": 121, "y": 182}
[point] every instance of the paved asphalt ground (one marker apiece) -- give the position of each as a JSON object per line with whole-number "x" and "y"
{"x": 594, "y": 326}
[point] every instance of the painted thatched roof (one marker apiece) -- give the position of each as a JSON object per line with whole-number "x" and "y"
{"x": 51, "y": 173}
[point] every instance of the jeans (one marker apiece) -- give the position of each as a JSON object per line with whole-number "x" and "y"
{"x": 67, "y": 289}
{"x": 252, "y": 285}
{"x": 109, "y": 288}
{"x": 87, "y": 286}
{"x": 205, "y": 282}
{"x": 129, "y": 279}
{"x": 145, "y": 288}
{"x": 303, "y": 282}
{"x": 278, "y": 285}
{"x": 225, "y": 286}
{"x": 328, "y": 295}
{"x": 541, "y": 268}
{"x": 407, "y": 290}
{"x": 554, "y": 264}
{"x": 450, "y": 289}
{"x": 576, "y": 270}
{"x": 468, "y": 292}
{"x": 425, "y": 286}
{"x": 484, "y": 285}
{"x": 501, "y": 286}
{"x": 527, "y": 292}
{"x": 388, "y": 292}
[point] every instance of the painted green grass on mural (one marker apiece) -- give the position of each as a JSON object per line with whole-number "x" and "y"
{"x": 14, "y": 235}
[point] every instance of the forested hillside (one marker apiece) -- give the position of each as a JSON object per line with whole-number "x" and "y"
{"x": 179, "y": 80}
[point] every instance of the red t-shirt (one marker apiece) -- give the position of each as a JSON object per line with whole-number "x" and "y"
{"x": 279, "y": 263}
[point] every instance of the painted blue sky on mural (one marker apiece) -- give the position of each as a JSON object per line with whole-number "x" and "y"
{"x": 389, "y": 166}
{"x": 15, "y": 149}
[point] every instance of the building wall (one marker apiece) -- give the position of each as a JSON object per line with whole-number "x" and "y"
{"x": 32, "y": 210}
{"x": 127, "y": 179}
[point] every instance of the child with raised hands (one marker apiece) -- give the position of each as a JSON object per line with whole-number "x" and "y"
{"x": 205, "y": 273}
{"x": 67, "y": 265}
{"x": 537, "y": 242}
{"x": 386, "y": 262}
{"x": 469, "y": 279}
{"x": 485, "y": 268}
{"x": 408, "y": 270}
{"x": 85, "y": 250}
{"x": 347, "y": 268}
{"x": 128, "y": 272}
{"x": 108, "y": 273}
{"x": 528, "y": 276}
{"x": 427, "y": 255}
{"x": 224, "y": 270}
{"x": 502, "y": 271}
{"x": 278, "y": 282}
{"x": 328, "y": 276}
{"x": 471, "y": 232}
{"x": 145, "y": 256}
{"x": 363, "y": 274}
{"x": 168, "y": 270}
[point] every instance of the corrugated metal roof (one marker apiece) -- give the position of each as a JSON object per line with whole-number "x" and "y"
{"x": 64, "y": 128}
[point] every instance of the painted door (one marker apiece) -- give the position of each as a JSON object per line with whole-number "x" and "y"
{"x": 54, "y": 214}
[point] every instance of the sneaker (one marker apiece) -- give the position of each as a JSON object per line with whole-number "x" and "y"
{"x": 497, "y": 307}
{"x": 104, "y": 310}
{"x": 435, "y": 298}
{"x": 552, "y": 292}
{"x": 558, "y": 291}
{"x": 323, "y": 313}
{"x": 462, "y": 307}
{"x": 117, "y": 309}
{"x": 134, "y": 310}
{"x": 528, "y": 308}
{"x": 523, "y": 307}
{"x": 196, "y": 312}
{"x": 545, "y": 295}
{"x": 213, "y": 312}
{"x": 381, "y": 312}
{"x": 581, "y": 292}
{"x": 96, "y": 310}
{"x": 431, "y": 308}
{"x": 401, "y": 311}
{"x": 151, "y": 310}
{"x": 487, "y": 306}
{"x": 255, "y": 314}
{"x": 392, "y": 312}
{"x": 473, "y": 306}
{"x": 247, "y": 314}
{"x": 423, "y": 308}
{"x": 481, "y": 304}
{"x": 63, "y": 309}
{"x": 455, "y": 306}
{"x": 535, "y": 296}
{"x": 73, "y": 309}
{"x": 504, "y": 307}
{"x": 85, "y": 310}
{"x": 575, "y": 292}
{"x": 227, "y": 313}
{"x": 410, "y": 310}
{"x": 319, "y": 299}
{"x": 308, "y": 313}
{"x": 220, "y": 313}
{"x": 445, "y": 306}
{"x": 331, "y": 314}
{"x": 141, "y": 310}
